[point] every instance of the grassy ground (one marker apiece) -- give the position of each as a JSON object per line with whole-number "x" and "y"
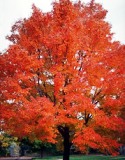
{"x": 86, "y": 158}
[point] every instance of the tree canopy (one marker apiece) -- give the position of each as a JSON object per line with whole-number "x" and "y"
{"x": 63, "y": 74}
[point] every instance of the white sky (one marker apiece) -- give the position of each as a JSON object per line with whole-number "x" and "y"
{"x": 13, "y": 10}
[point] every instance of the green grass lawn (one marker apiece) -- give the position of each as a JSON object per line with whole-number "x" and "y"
{"x": 85, "y": 158}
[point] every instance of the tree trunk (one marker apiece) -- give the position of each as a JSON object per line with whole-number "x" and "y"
{"x": 41, "y": 151}
{"x": 66, "y": 141}
{"x": 66, "y": 144}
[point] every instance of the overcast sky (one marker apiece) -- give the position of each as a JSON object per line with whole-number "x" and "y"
{"x": 13, "y": 10}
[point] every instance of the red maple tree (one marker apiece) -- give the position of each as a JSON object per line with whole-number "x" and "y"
{"x": 63, "y": 74}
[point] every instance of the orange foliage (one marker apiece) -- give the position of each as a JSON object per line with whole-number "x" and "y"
{"x": 64, "y": 71}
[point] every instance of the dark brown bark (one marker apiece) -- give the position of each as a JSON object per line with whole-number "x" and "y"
{"x": 42, "y": 151}
{"x": 64, "y": 131}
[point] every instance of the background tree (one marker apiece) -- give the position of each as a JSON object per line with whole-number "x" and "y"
{"x": 63, "y": 74}
{"x": 5, "y": 142}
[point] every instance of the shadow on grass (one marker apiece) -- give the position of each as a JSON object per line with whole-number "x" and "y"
{"x": 80, "y": 157}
